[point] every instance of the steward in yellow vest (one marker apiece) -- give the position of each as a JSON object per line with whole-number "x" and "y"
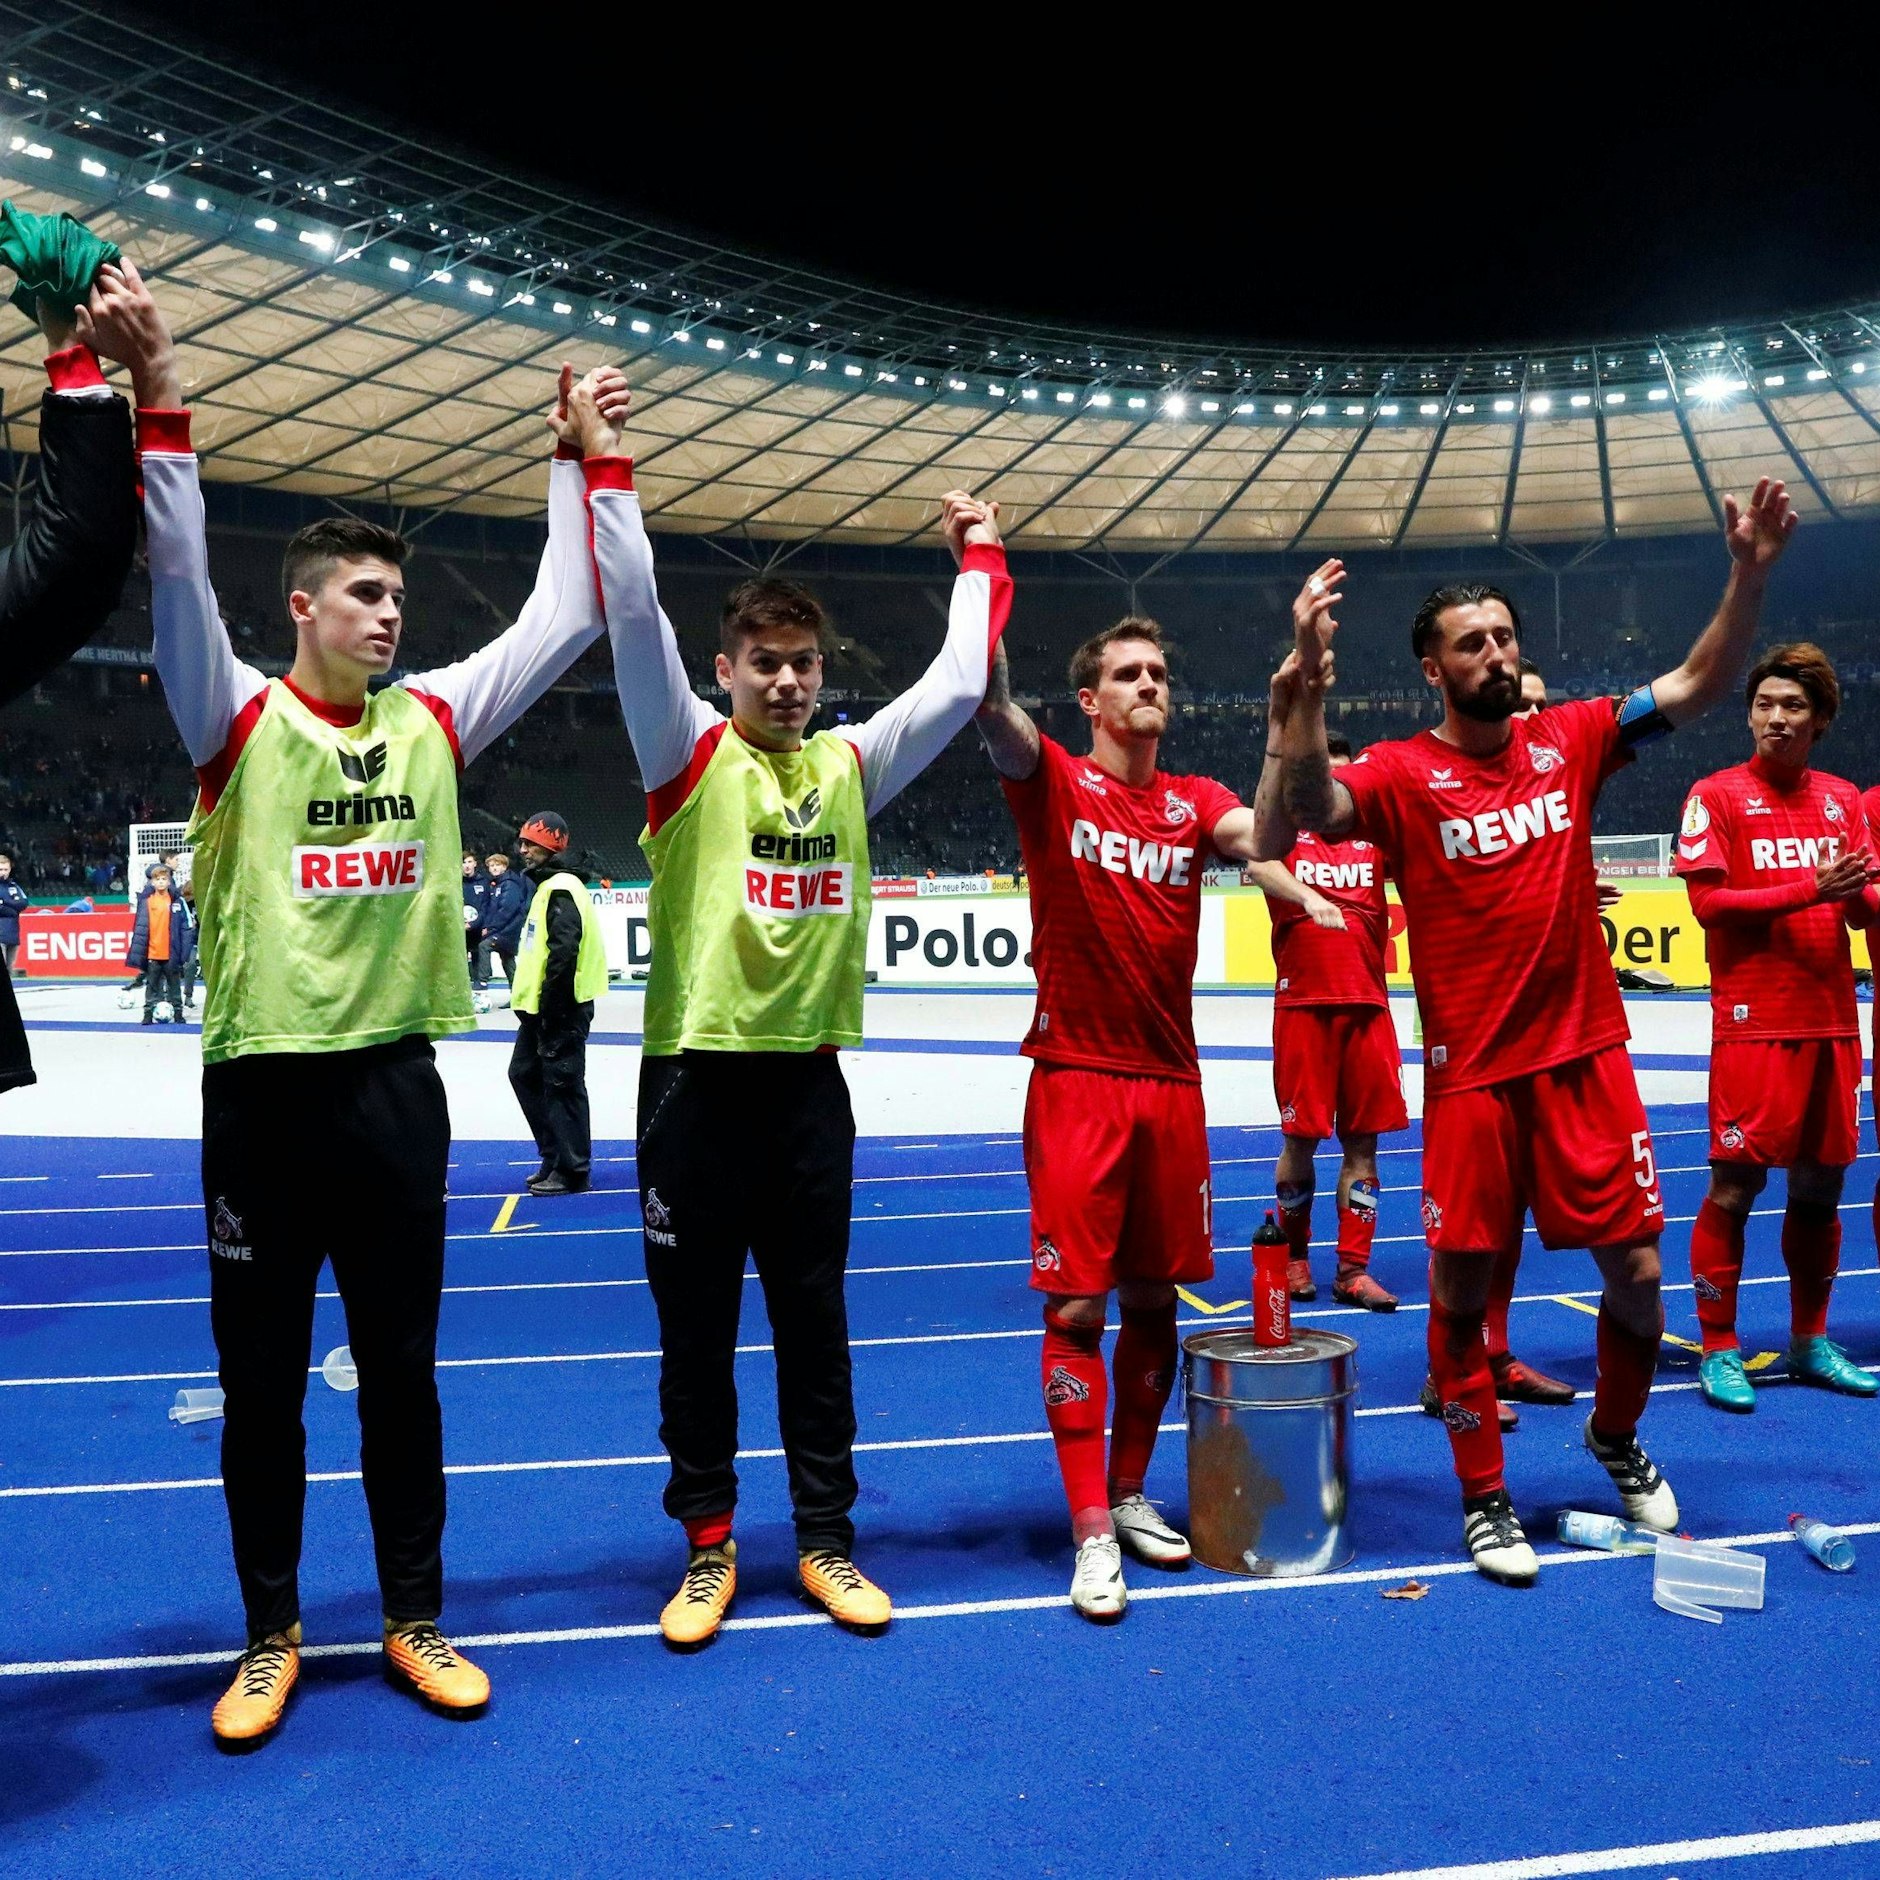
{"x": 561, "y": 969}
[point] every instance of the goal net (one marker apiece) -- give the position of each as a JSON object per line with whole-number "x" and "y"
{"x": 1621, "y": 856}
{"x": 150, "y": 842}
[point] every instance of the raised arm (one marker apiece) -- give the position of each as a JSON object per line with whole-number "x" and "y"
{"x": 665, "y": 718}
{"x": 204, "y": 684}
{"x": 1755, "y": 537}
{"x": 906, "y": 735}
{"x": 486, "y": 693}
{"x": 65, "y": 571}
{"x": 1305, "y": 795}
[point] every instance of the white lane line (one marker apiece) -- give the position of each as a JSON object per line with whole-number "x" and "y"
{"x": 143, "y": 1176}
{"x": 1657, "y": 1854}
{"x": 959, "y": 1609}
{"x": 25, "y": 1178}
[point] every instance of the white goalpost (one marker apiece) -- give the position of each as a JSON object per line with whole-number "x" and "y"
{"x": 1617, "y": 857}
{"x": 150, "y": 842}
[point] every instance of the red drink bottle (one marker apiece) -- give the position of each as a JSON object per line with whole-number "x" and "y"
{"x": 1272, "y": 1303}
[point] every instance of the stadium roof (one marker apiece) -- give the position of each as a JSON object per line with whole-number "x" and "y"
{"x": 370, "y": 320}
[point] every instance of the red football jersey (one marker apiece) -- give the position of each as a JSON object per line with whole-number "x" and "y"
{"x": 1115, "y": 878}
{"x": 1870, "y": 802}
{"x": 1493, "y": 857}
{"x": 1318, "y": 965}
{"x": 1791, "y": 976}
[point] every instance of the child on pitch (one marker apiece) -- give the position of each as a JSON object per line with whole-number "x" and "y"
{"x": 324, "y": 834}
{"x": 757, "y": 830}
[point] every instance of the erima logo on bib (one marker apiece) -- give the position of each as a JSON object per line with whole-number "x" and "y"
{"x": 363, "y": 767}
{"x": 359, "y": 868}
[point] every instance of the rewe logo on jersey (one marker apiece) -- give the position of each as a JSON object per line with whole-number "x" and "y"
{"x": 360, "y": 868}
{"x": 1793, "y": 851}
{"x": 1336, "y": 874}
{"x": 1511, "y": 827}
{"x": 362, "y": 767}
{"x": 793, "y": 892}
{"x": 1130, "y": 855}
{"x": 1445, "y": 779}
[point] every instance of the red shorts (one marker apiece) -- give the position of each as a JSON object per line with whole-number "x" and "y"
{"x": 1571, "y": 1143}
{"x": 1778, "y": 1101}
{"x": 1118, "y": 1168}
{"x": 1337, "y": 1070}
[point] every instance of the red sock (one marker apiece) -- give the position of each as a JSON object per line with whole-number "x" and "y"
{"x": 1626, "y": 1364}
{"x": 1357, "y": 1222}
{"x": 1459, "y": 1366}
{"x": 1500, "y": 1295}
{"x": 1076, "y": 1395}
{"x": 708, "y": 1530}
{"x": 1716, "y": 1269}
{"x": 1295, "y": 1215}
{"x": 1811, "y": 1250}
{"x": 1143, "y": 1367}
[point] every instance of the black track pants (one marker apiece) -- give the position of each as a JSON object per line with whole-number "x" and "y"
{"x": 751, "y": 1152}
{"x": 305, "y": 1158}
{"x": 548, "y": 1072}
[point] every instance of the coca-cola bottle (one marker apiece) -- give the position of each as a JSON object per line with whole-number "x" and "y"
{"x": 1272, "y": 1302}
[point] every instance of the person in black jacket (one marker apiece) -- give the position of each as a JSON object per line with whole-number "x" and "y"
{"x": 14, "y": 900}
{"x": 503, "y": 916}
{"x": 548, "y": 1068}
{"x": 160, "y": 946}
{"x": 65, "y": 570}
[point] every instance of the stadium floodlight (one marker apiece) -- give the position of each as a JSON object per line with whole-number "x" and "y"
{"x": 607, "y": 319}
{"x": 1580, "y": 400}
{"x": 1315, "y": 411}
{"x": 1174, "y": 406}
{"x": 786, "y": 359}
{"x": 851, "y": 372}
{"x": 1138, "y": 404}
{"x": 1615, "y": 398}
{"x": 1429, "y": 408}
{"x": 1067, "y": 398}
{"x": 266, "y": 224}
{"x": 1658, "y": 394}
{"x": 817, "y": 365}
{"x": 441, "y": 274}
{"x": 1465, "y": 410}
{"x": 1354, "y": 411}
{"x": 42, "y": 151}
{"x": 683, "y": 337}
{"x": 1774, "y": 378}
{"x": 714, "y": 345}
{"x": 1243, "y": 411}
{"x": 561, "y": 306}
{"x": 92, "y": 167}
{"x": 203, "y": 203}
{"x": 525, "y": 300}
{"x": 1816, "y": 374}
{"x": 1715, "y": 387}
{"x": 1101, "y": 400}
{"x": 1282, "y": 411}
{"x": 886, "y": 378}
{"x": 995, "y": 391}
{"x": 319, "y": 239}
{"x": 920, "y": 378}
{"x": 1030, "y": 391}
{"x": 399, "y": 265}
{"x": 1540, "y": 402}
{"x": 641, "y": 326}
{"x": 1504, "y": 405}
{"x": 482, "y": 288}
{"x": 1208, "y": 404}
{"x": 956, "y": 385}
{"x": 159, "y": 190}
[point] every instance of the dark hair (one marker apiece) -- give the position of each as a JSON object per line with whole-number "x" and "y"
{"x": 314, "y": 551}
{"x": 1531, "y": 671}
{"x": 1086, "y": 666}
{"x": 1810, "y": 668}
{"x": 1337, "y": 744}
{"x": 1459, "y": 594}
{"x": 753, "y": 606}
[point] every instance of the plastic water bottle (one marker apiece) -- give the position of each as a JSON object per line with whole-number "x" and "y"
{"x": 1606, "y": 1532}
{"x": 338, "y": 1369}
{"x": 1272, "y": 1302}
{"x": 1829, "y": 1545}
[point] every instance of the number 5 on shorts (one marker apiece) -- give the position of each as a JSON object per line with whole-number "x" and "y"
{"x": 1647, "y": 1176}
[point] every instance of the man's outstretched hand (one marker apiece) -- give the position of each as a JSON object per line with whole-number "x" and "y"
{"x": 966, "y": 522}
{"x": 590, "y": 414}
{"x": 120, "y": 320}
{"x": 1756, "y": 536}
{"x": 1313, "y": 625}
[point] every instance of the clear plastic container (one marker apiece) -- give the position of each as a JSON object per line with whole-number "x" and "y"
{"x": 1829, "y": 1545}
{"x": 1606, "y": 1531}
{"x": 196, "y": 1406}
{"x": 1693, "y": 1578}
{"x": 338, "y": 1370}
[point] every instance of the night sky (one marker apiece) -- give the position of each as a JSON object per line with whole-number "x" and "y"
{"x": 1613, "y": 186}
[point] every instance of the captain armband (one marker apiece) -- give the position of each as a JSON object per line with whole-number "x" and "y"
{"x": 1640, "y": 719}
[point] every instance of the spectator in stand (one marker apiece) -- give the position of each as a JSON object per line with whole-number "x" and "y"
{"x": 160, "y": 942}
{"x": 476, "y": 894}
{"x": 192, "y": 967}
{"x": 13, "y": 901}
{"x": 503, "y": 915}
